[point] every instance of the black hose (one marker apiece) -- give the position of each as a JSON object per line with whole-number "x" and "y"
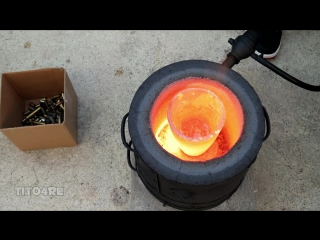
{"x": 283, "y": 74}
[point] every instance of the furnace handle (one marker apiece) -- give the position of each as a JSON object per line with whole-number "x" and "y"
{"x": 268, "y": 125}
{"x": 129, "y": 158}
{"x": 123, "y": 136}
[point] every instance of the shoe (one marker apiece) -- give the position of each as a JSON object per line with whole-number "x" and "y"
{"x": 269, "y": 43}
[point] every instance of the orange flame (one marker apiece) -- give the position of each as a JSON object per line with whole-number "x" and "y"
{"x": 229, "y": 134}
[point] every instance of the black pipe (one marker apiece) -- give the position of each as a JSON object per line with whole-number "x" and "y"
{"x": 230, "y": 61}
{"x": 283, "y": 74}
{"x": 242, "y": 47}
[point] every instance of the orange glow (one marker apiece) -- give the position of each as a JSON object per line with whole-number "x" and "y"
{"x": 196, "y": 117}
{"x": 229, "y": 134}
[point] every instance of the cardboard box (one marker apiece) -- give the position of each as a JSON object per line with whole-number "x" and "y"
{"x": 18, "y": 89}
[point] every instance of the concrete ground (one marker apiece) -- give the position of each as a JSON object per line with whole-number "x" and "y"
{"x": 106, "y": 68}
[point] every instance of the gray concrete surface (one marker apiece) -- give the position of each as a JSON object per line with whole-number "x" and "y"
{"x": 107, "y": 67}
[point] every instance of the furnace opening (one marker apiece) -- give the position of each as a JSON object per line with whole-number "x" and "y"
{"x": 228, "y": 136}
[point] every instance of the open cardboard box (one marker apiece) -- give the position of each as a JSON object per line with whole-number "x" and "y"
{"x": 20, "y": 88}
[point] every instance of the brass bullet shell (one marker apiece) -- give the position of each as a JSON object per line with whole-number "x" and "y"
{"x": 31, "y": 114}
{"x": 27, "y": 112}
{"x": 51, "y": 119}
{"x": 39, "y": 123}
{"x": 31, "y": 104}
{"x": 55, "y": 97}
{"x": 43, "y": 103}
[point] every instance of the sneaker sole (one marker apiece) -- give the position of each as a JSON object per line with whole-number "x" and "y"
{"x": 269, "y": 56}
